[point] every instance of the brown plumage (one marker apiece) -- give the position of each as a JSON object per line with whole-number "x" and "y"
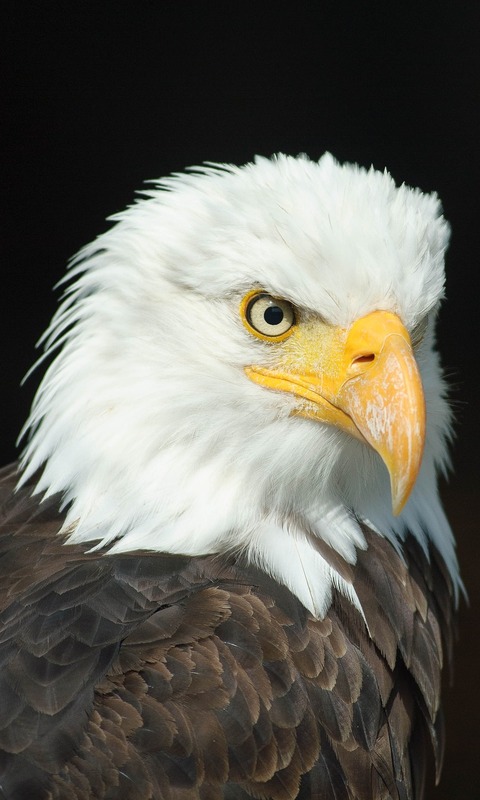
{"x": 159, "y": 676}
{"x": 245, "y": 415}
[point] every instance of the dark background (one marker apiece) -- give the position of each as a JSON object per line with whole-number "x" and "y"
{"x": 97, "y": 97}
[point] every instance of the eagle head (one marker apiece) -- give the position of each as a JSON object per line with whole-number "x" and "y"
{"x": 245, "y": 363}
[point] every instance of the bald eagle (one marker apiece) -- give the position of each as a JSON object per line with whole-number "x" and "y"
{"x": 225, "y": 567}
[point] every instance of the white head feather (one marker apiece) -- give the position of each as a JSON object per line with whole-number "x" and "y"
{"x": 146, "y": 421}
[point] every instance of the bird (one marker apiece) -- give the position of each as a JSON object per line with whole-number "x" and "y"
{"x": 226, "y": 571}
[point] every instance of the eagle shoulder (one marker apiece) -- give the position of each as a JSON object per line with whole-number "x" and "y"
{"x": 145, "y": 675}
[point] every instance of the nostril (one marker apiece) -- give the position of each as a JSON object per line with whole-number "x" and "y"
{"x": 364, "y": 359}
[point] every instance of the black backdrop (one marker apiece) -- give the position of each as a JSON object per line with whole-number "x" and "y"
{"x": 96, "y": 97}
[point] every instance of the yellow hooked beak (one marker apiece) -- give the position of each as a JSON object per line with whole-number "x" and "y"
{"x": 364, "y": 380}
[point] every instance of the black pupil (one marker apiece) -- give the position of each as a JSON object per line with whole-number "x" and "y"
{"x": 273, "y": 315}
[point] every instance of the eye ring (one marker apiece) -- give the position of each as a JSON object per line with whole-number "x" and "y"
{"x": 267, "y": 317}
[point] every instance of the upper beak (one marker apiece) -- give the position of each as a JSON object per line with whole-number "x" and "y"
{"x": 365, "y": 382}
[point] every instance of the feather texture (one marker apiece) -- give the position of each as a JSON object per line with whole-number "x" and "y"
{"x": 148, "y": 387}
{"x": 204, "y": 592}
{"x": 159, "y": 676}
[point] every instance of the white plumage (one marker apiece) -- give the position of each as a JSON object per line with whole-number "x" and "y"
{"x": 225, "y": 571}
{"x": 146, "y": 421}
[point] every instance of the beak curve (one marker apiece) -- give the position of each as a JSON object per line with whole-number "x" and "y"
{"x": 370, "y": 386}
{"x": 387, "y": 404}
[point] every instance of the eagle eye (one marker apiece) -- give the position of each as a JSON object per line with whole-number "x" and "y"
{"x": 266, "y": 316}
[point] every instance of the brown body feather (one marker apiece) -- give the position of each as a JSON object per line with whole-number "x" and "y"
{"x": 155, "y": 676}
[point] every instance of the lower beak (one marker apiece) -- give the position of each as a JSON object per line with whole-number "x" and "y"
{"x": 367, "y": 384}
